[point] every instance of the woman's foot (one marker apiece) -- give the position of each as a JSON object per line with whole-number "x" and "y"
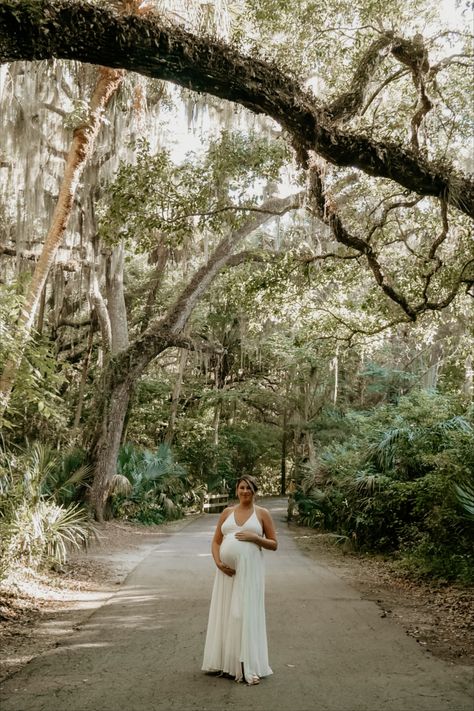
{"x": 253, "y": 680}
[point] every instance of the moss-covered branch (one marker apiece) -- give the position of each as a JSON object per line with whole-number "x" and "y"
{"x": 147, "y": 44}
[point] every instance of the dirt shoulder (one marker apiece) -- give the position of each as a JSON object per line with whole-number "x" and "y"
{"x": 37, "y": 611}
{"x": 439, "y": 617}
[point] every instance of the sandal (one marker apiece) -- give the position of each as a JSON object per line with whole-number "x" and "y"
{"x": 253, "y": 681}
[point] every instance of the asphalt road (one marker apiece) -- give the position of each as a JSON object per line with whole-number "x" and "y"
{"x": 329, "y": 649}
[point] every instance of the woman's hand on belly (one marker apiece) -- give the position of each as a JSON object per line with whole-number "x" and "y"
{"x": 226, "y": 569}
{"x": 248, "y": 536}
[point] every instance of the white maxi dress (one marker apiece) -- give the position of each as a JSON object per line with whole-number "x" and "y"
{"x": 236, "y": 631}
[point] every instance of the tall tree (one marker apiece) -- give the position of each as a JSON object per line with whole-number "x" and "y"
{"x": 124, "y": 371}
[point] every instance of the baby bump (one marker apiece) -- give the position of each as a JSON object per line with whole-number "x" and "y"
{"x": 232, "y": 551}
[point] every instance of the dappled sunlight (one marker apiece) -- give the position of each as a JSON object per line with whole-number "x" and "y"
{"x": 8, "y": 661}
{"x": 87, "y": 645}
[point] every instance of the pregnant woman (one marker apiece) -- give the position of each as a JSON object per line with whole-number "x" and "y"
{"x": 236, "y": 640}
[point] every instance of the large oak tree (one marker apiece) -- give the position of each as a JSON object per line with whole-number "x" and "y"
{"x": 151, "y": 46}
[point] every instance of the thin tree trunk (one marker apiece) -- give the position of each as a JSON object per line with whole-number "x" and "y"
{"x": 101, "y": 311}
{"x": 183, "y": 357}
{"x": 308, "y": 395}
{"x": 468, "y": 386}
{"x": 216, "y": 422}
{"x": 82, "y": 385}
{"x": 81, "y": 147}
{"x": 284, "y": 446}
{"x": 336, "y": 376}
{"x": 116, "y": 301}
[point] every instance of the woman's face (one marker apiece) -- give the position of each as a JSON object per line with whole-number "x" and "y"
{"x": 244, "y": 491}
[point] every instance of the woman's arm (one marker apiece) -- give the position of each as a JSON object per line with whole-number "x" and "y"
{"x": 216, "y": 544}
{"x": 269, "y": 538}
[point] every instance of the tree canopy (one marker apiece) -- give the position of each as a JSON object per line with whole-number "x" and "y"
{"x": 146, "y": 44}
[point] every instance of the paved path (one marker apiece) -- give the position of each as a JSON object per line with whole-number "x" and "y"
{"x": 329, "y": 649}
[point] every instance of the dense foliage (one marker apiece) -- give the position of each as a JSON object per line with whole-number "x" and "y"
{"x": 391, "y": 480}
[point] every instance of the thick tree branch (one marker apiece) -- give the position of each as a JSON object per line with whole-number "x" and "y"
{"x": 181, "y": 310}
{"x": 91, "y": 33}
{"x": 351, "y": 102}
{"x": 34, "y": 256}
{"x": 166, "y": 332}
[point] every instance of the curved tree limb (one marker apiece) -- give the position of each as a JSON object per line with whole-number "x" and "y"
{"x": 148, "y": 45}
{"x": 351, "y": 102}
{"x": 321, "y": 203}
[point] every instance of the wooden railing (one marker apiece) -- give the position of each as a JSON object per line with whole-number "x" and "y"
{"x": 215, "y": 503}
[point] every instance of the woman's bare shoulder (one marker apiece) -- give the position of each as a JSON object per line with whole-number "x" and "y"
{"x": 262, "y": 511}
{"x": 228, "y": 510}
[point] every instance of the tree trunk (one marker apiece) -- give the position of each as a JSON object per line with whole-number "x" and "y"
{"x": 308, "y": 398}
{"x": 116, "y": 300}
{"x": 284, "y": 445}
{"x": 430, "y": 377}
{"x": 82, "y": 385}
{"x": 183, "y": 357}
{"x": 115, "y": 404}
{"x": 42, "y": 304}
{"x": 468, "y": 386}
{"x": 81, "y": 147}
{"x": 336, "y": 376}
{"x": 97, "y": 302}
{"x": 216, "y": 422}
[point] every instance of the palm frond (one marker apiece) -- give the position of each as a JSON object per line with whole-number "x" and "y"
{"x": 465, "y": 495}
{"x": 40, "y": 463}
{"x": 456, "y": 423}
{"x": 384, "y": 451}
{"x": 120, "y": 485}
{"x": 80, "y": 476}
{"x": 367, "y": 484}
{"x": 44, "y": 532}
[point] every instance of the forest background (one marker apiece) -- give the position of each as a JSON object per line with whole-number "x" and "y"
{"x": 190, "y": 291}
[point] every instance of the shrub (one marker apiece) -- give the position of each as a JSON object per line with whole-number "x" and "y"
{"x": 402, "y": 482}
{"x": 35, "y": 528}
{"x": 159, "y": 486}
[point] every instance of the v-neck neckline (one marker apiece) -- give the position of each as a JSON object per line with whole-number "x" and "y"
{"x": 247, "y": 519}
